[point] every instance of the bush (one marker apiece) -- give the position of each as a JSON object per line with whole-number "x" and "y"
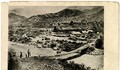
{"x": 73, "y": 66}
{"x": 13, "y": 63}
{"x": 99, "y": 43}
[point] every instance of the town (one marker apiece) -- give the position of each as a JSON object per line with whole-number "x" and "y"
{"x": 57, "y": 43}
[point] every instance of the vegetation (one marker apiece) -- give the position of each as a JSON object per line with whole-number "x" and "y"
{"x": 99, "y": 43}
{"x": 13, "y": 63}
{"x": 46, "y": 63}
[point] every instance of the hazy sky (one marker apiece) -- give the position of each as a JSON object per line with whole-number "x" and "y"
{"x": 28, "y": 11}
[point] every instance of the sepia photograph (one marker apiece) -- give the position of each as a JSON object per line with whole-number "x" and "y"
{"x": 56, "y": 38}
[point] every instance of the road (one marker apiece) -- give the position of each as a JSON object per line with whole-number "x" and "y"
{"x": 18, "y": 47}
{"x": 71, "y": 54}
{"x": 46, "y": 51}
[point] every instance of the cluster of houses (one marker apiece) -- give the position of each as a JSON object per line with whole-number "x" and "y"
{"x": 71, "y": 33}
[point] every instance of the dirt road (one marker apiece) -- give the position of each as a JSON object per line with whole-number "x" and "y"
{"x": 34, "y": 50}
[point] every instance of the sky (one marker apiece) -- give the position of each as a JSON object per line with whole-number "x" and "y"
{"x": 28, "y": 11}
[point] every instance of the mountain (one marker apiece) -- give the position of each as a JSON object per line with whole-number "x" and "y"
{"x": 81, "y": 8}
{"x": 47, "y": 20}
{"x": 14, "y": 18}
{"x": 98, "y": 16}
{"x": 69, "y": 12}
{"x": 64, "y": 16}
{"x": 93, "y": 10}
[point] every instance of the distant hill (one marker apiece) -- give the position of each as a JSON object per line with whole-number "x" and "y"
{"x": 63, "y": 16}
{"x": 47, "y": 20}
{"x": 69, "y": 13}
{"x": 98, "y": 15}
{"x": 14, "y": 18}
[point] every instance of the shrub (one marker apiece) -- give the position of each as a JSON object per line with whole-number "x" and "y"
{"x": 73, "y": 66}
{"x": 99, "y": 43}
{"x": 13, "y": 63}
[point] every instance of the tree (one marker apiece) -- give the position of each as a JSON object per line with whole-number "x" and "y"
{"x": 55, "y": 29}
{"x": 71, "y": 22}
{"x": 99, "y": 43}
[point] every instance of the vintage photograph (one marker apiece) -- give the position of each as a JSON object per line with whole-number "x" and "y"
{"x": 56, "y": 38}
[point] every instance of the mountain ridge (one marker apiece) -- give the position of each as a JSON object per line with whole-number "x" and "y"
{"x": 65, "y": 15}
